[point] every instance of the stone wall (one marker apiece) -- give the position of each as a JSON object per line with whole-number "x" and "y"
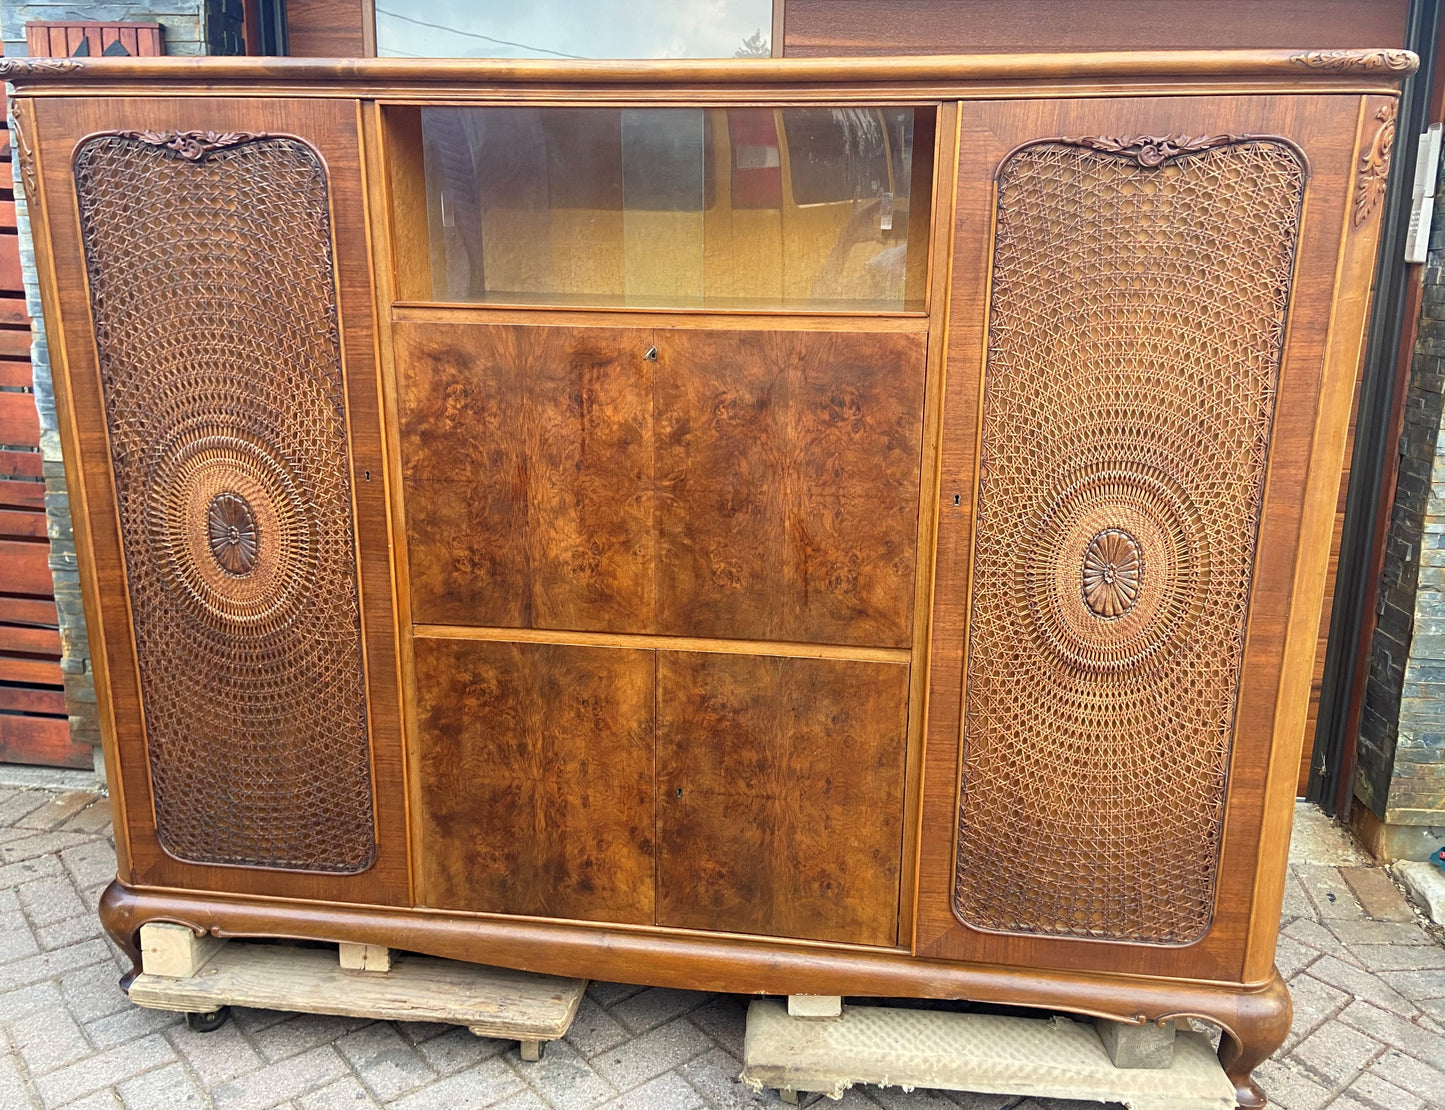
{"x": 1400, "y": 773}
{"x": 194, "y": 27}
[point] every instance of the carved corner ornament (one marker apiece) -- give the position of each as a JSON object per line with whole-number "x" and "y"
{"x": 194, "y": 146}
{"x": 1152, "y": 151}
{"x": 1374, "y": 169}
{"x": 20, "y": 111}
{"x": 36, "y": 67}
{"x": 1359, "y": 61}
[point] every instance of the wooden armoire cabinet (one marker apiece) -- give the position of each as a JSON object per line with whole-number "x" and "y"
{"x": 837, "y": 527}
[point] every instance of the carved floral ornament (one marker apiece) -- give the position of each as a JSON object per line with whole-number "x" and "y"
{"x": 1359, "y": 61}
{"x": 233, "y": 534}
{"x": 1152, "y": 151}
{"x": 36, "y": 67}
{"x": 20, "y": 110}
{"x": 1112, "y": 573}
{"x": 1374, "y": 167}
{"x": 193, "y": 146}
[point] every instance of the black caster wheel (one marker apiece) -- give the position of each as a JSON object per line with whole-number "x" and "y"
{"x": 208, "y": 1023}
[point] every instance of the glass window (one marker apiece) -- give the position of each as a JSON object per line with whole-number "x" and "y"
{"x": 574, "y": 29}
{"x": 794, "y": 208}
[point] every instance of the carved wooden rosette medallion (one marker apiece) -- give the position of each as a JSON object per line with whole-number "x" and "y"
{"x": 209, "y": 259}
{"x": 1112, "y": 573}
{"x": 1374, "y": 169}
{"x": 1127, "y": 408}
{"x": 233, "y": 533}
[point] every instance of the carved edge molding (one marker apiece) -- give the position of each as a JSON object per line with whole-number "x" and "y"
{"x": 1359, "y": 61}
{"x": 33, "y": 67}
{"x": 194, "y": 146}
{"x": 1151, "y": 151}
{"x": 20, "y": 114}
{"x": 1374, "y": 169}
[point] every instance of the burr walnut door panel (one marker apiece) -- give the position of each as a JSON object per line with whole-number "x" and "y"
{"x": 219, "y": 400}
{"x": 527, "y": 461}
{"x": 780, "y": 795}
{"x": 787, "y": 468}
{"x": 1120, "y": 508}
{"x": 737, "y": 484}
{"x": 535, "y": 773}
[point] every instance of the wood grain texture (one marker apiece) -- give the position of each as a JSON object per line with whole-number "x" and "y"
{"x": 535, "y": 764}
{"x": 787, "y": 476}
{"x": 830, "y": 28}
{"x": 747, "y": 440}
{"x": 1342, "y": 348}
{"x": 527, "y": 467}
{"x": 780, "y": 795}
{"x": 493, "y": 1002}
{"x": 1324, "y": 128}
{"x": 873, "y": 80}
{"x": 331, "y": 128}
{"x": 687, "y": 960}
{"x": 742, "y": 485}
{"x": 328, "y": 28}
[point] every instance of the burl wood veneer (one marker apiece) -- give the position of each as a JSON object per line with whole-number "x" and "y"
{"x": 535, "y": 766}
{"x": 942, "y": 628}
{"x": 791, "y": 827}
{"x": 737, "y": 484}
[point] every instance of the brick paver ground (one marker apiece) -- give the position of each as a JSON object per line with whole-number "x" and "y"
{"x": 1368, "y": 982}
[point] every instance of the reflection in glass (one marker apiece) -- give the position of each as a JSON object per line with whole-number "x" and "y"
{"x": 675, "y": 207}
{"x": 574, "y": 29}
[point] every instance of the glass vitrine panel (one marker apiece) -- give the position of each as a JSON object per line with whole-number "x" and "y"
{"x": 770, "y": 208}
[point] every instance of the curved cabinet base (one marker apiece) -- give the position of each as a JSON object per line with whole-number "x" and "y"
{"x": 1255, "y": 1019}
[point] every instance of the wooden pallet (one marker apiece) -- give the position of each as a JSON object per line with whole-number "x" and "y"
{"x": 202, "y": 975}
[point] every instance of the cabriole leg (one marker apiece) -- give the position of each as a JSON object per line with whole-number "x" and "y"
{"x": 1259, "y": 1026}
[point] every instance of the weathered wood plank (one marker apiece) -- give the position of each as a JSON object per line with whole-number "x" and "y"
{"x": 20, "y": 464}
{"x": 42, "y": 672}
{"x": 29, "y": 641}
{"x": 492, "y": 1002}
{"x": 14, "y": 372}
{"x": 29, "y": 699}
{"x": 41, "y": 740}
{"x": 27, "y": 568}
{"x": 29, "y": 610}
{"x": 20, "y": 524}
{"x": 19, "y": 422}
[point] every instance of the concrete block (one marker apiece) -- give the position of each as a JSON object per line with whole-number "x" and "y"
{"x": 1426, "y": 884}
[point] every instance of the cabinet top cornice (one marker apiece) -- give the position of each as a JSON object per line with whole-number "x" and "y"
{"x": 804, "y": 78}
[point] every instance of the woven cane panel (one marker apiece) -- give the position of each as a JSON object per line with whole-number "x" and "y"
{"x": 214, "y": 302}
{"x": 1136, "y": 322}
